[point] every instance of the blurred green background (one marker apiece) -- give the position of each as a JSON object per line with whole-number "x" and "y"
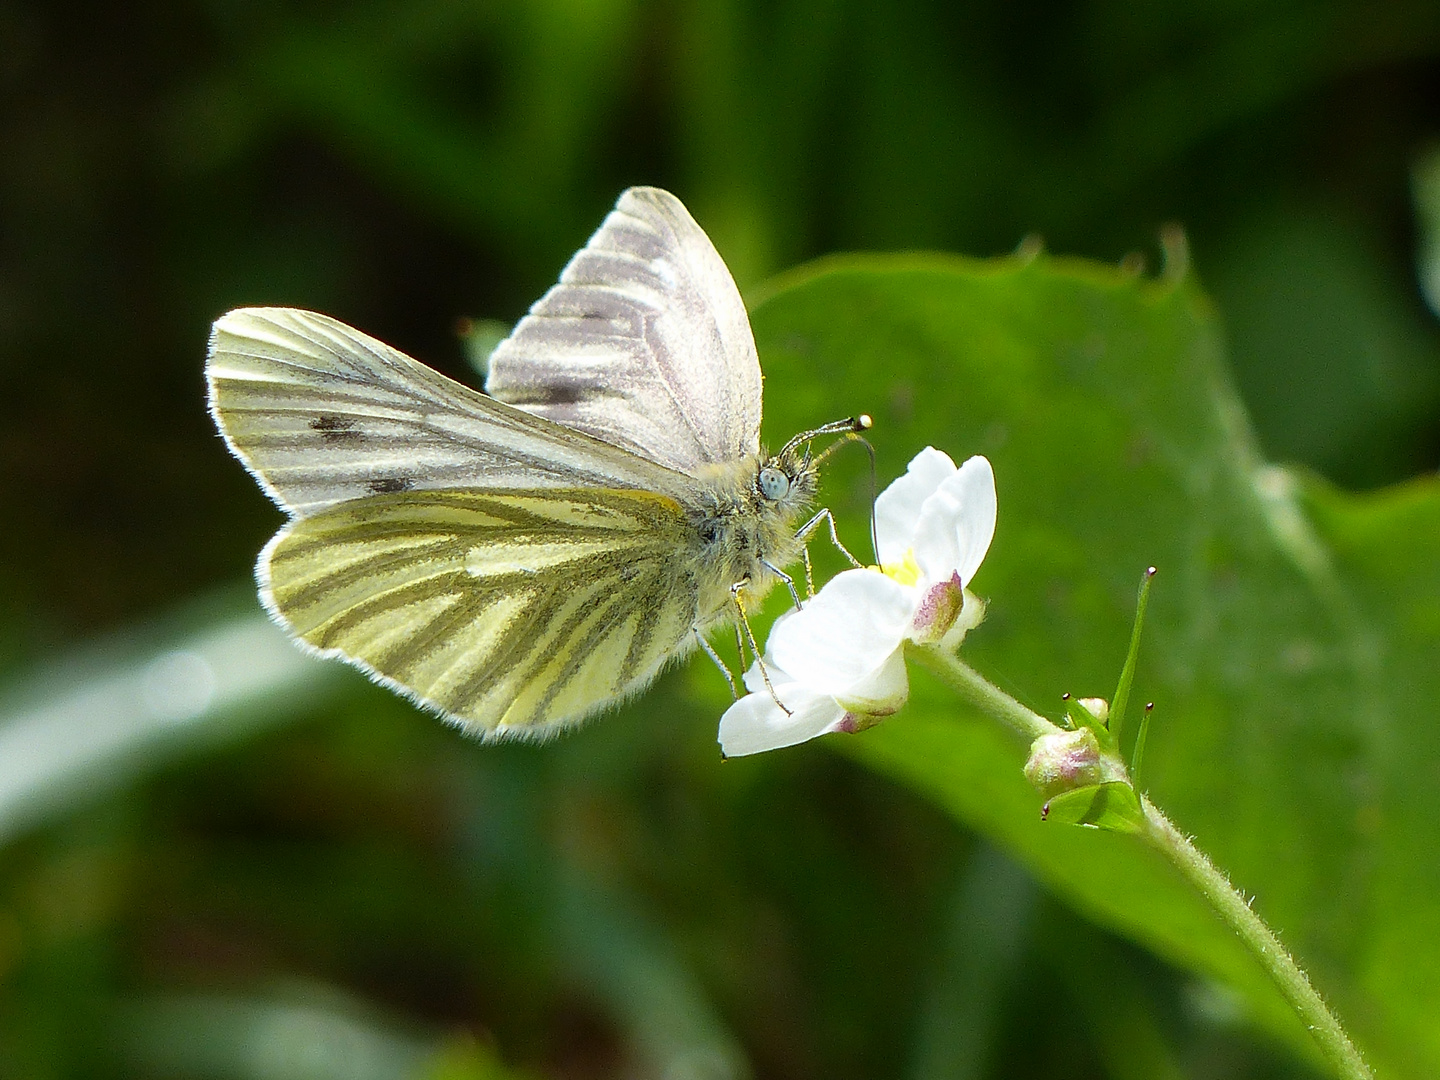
{"x": 316, "y": 881}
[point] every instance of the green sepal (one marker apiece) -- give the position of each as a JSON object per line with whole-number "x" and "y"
{"x": 1127, "y": 673}
{"x": 1137, "y": 754}
{"x": 1112, "y": 805}
{"x": 1078, "y": 716}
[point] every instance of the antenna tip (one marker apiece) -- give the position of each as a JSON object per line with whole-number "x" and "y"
{"x": 863, "y": 422}
{"x": 1065, "y": 697}
{"x": 1149, "y": 705}
{"x": 1151, "y": 571}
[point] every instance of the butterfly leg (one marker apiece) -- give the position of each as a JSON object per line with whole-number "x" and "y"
{"x": 710, "y": 652}
{"x": 750, "y": 638}
{"x": 807, "y": 530}
{"x": 786, "y": 578}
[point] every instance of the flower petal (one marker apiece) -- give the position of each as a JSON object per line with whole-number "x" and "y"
{"x": 845, "y": 633}
{"x": 957, "y": 523}
{"x": 755, "y": 723}
{"x": 940, "y": 604}
{"x": 972, "y": 614}
{"x": 882, "y": 692}
{"x": 897, "y": 510}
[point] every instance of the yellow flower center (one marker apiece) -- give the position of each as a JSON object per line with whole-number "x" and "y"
{"x": 906, "y": 571}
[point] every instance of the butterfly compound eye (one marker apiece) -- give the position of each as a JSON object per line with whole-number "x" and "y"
{"x": 774, "y": 484}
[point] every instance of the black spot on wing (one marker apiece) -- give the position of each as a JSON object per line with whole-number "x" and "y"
{"x": 335, "y": 428}
{"x": 389, "y": 485}
{"x": 557, "y": 393}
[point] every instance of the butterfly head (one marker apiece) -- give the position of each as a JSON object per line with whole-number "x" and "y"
{"x": 788, "y": 479}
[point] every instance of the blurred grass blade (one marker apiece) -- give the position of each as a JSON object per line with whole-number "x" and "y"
{"x": 1113, "y": 995}
{"x": 626, "y": 959}
{"x": 590, "y": 923}
{"x": 1425, "y": 190}
{"x": 91, "y": 721}
{"x": 299, "y": 1033}
{"x": 981, "y": 956}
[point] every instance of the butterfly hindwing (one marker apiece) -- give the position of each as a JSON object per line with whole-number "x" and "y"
{"x": 513, "y": 612}
{"x": 643, "y": 343}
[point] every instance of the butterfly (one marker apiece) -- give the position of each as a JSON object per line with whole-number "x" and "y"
{"x": 520, "y": 559}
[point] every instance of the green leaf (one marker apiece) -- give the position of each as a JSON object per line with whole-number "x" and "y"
{"x": 1293, "y": 648}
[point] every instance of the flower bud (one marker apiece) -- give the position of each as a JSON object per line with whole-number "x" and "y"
{"x": 1064, "y": 761}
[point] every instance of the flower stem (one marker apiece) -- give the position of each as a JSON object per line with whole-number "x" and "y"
{"x": 981, "y": 692}
{"x": 1193, "y": 864}
{"x": 1231, "y": 906}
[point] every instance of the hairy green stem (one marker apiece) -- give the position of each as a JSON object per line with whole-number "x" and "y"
{"x": 1193, "y": 864}
{"x": 981, "y": 692}
{"x": 1196, "y": 867}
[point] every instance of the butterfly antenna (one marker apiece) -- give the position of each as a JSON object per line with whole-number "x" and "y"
{"x": 874, "y": 495}
{"x": 850, "y": 427}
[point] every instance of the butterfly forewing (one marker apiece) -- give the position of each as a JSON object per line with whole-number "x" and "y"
{"x": 323, "y": 414}
{"x": 644, "y": 342}
{"x": 513, "y": 612}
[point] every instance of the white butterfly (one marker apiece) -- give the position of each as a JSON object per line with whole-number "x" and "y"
{"x": 518, "y": 561}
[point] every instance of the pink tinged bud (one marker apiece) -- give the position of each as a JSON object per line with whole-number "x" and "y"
{"x": 1063, "y": 761}
{"x": 938, "y": 610}
{"x": 853, "y": 723}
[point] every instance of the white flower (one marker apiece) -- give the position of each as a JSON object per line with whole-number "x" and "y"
{"x": 838, "y": 662}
